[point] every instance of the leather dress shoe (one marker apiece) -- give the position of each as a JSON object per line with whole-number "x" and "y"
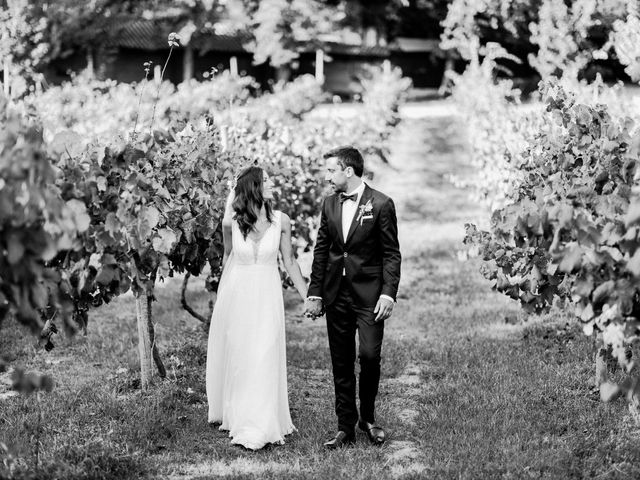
{"x": 342, "y": 439}
{"x": 373, "y": 431}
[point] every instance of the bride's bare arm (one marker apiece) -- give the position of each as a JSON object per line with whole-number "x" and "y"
{"x": 227, "y": 221}
{"x": 289, "y": 259}
{"x": 226, "y": 239}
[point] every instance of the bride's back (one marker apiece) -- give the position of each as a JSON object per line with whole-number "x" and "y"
{"x": 257, "y": 251}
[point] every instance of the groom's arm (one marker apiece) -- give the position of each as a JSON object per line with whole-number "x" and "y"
{"x": 320, "y": 256}
{"x": 391, "y": 258}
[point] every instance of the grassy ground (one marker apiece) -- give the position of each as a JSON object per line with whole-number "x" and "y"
{"x": 468, "y": 390}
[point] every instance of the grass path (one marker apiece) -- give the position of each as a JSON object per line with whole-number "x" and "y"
{"x": 467, "y": 390}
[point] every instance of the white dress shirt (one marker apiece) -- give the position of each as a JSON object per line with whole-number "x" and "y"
{"x": 349, "y": 208}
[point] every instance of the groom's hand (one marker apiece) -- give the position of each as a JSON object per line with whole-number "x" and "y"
{"x": 313, "y": 308}
{"x": 383, "y": 309}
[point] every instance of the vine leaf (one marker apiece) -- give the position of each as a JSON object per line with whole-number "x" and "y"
{"x": 164, "y": 240}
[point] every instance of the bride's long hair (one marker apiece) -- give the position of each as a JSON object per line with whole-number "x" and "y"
{"x": 249, "y": 199}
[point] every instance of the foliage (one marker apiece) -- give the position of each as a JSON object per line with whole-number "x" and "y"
{"x": 571, "y": 231}
{"x": 555, "y": 37}
{"x": 279, "y": 25}
{"x": 498, "y": 125}
{"x": 22, "y": 41}
{"x": 194, "y": 100}
{"x": 496, "y": 128}
{"x": 75, "y": 105}
{"x": 37, "y": 221}
{"x": 153, "y": 206}
{"x": 33, "y": 34}
{"x": 476, "y": 22}
{"x": 383, "y": 90}
{"x": 262, "y": 125}
{"x": 555, "y": 34}
{"x": 626, "y": 41}
{"x": 570, "y": 37}
{"x": 290, "y": 99}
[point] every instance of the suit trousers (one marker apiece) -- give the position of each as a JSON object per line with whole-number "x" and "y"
{"x": 344, "y": 317}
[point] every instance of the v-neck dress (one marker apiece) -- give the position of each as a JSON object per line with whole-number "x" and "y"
{"x": 246, "y": 358}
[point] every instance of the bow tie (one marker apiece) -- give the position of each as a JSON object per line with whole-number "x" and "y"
{"x": 351, "y": 197}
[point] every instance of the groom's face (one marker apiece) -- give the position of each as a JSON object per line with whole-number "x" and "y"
{"x": 336, "y": 175}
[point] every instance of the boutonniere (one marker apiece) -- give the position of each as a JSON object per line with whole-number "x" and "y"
{"x": 365, "y": 212}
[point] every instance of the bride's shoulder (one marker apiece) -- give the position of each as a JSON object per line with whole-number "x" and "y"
{"x": 283, "y": 217}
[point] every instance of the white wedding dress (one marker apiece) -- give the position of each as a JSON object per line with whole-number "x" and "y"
{"x": 246, "y": 360}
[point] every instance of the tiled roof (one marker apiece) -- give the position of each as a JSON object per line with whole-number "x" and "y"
{"x": 406, "y": 44}
{"x": 206, "y": 41}
{"x": 152, "y": 35}
{"x": 356, "y": 50}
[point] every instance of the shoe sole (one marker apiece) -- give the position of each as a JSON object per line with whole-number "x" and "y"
{"x": 373, "y": 442}
{"x": 348, "y": 443}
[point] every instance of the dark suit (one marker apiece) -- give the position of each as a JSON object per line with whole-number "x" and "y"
{"x": 370, "y": 259}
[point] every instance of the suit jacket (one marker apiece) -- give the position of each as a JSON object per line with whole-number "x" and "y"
{"x": 370, "y": 255}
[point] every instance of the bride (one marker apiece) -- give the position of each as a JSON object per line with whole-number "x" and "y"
{"x": 246, "y": 360}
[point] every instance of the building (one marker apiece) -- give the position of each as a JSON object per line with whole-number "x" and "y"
{"x": 339, "y": 64}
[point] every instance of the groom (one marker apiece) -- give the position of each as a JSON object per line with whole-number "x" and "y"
{"x": 354, "y": 278}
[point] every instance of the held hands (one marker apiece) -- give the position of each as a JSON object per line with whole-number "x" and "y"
{"x": 313, "y": 308}
{"x": 384, "y": 309}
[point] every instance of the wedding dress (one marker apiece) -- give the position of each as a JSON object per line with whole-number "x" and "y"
{"x": 246, "y": 361}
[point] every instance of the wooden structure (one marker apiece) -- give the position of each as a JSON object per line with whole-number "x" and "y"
{"x": 338, "y": 65}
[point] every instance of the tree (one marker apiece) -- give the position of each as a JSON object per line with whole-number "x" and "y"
{"x": 154, "y": 206}
{"x": 551, "y": 36}
{"x": 283, "y": 28}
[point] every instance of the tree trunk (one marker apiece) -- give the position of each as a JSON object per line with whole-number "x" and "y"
{"x": 233, "y": 66}
{"x": 601, "y": 366}
{"x": 183, "y": 300}
{"x": 445, "y": 83}
{"x": 90, "y": 63}
{"x": 156, "y": 353}
{"x": 370, "y": 37}
{"x": 145, "y": 344}
{"x": 319, "y": 73}
{"x": 187, "y": 66}
{"x": 283, "y": 73}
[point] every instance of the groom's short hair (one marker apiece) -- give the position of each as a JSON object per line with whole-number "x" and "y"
{"x": 348, "y": 156}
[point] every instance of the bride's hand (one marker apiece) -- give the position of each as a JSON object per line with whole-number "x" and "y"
{"x": 313, "y": 308}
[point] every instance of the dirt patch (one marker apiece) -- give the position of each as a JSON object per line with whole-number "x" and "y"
{"x": 408, "y": 415}
{"x": 404, "y": 458}
{"x": 5, "y": 386}
{"x": 501, "y": 331}
{"x": 409, "y": 386}
{"x": 239, "y": 466}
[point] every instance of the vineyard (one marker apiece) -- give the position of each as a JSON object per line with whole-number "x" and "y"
{"x": 512, "y": 351}
{"x": 112, "y": 189}
{"x": 561, "y": 180}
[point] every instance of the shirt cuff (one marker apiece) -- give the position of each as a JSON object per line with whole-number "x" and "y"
{"x": 388, "y": 298}
{"x": 311, "y": 297}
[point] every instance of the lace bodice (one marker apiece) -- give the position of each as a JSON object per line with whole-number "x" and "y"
{"x": 257, "y": 252}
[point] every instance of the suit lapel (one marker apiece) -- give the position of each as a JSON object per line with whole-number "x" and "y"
{"x": 366, "y": 196}
{"x": 337, "y": 217}
{"x": 339, "y": 220}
